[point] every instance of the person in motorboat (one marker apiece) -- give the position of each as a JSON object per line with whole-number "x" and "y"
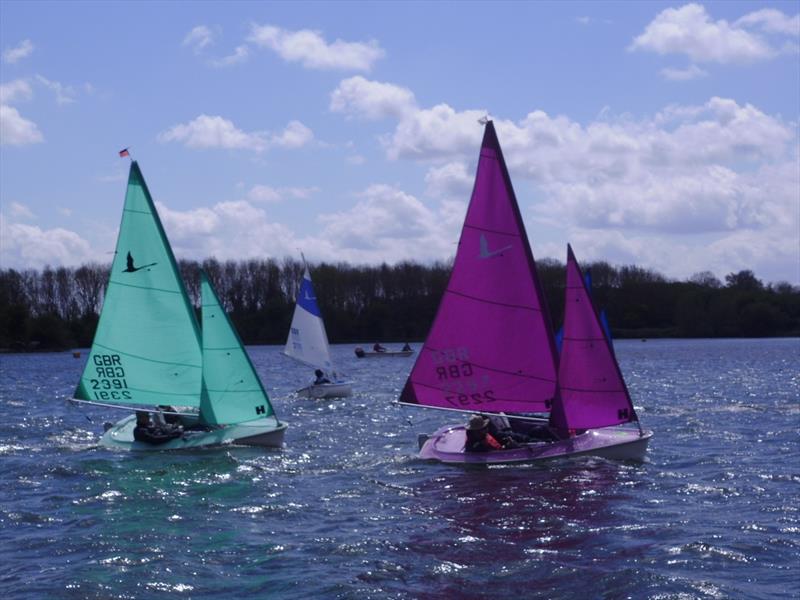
{"x": 480, "y": 440}
{"x": 378, "y": 348}
{"x": 406, "y": 347}
{"x": 154, "y": 431}
{"x": 359, "y": 352}
{"x": 320, "y": 377}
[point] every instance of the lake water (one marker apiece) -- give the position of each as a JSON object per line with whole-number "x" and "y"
{"x": 347, "y": 511}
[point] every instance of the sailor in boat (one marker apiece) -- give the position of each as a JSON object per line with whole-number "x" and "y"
{"x": 153, "y": 429}
{"x": 479, "y": 438}
{"x": 406, "y": 348}
{"x": 378, "y": 348}
{"x": 359, "y": 352}
{"x": 320, "y": 377}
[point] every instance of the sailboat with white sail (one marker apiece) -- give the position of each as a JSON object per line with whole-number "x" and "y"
{"x": 308, "y": 343}
{"x": 150, "y": 354}
{"x": 491, "y": 349}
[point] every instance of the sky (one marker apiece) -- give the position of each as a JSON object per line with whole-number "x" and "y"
{"x": 659, "y": 134}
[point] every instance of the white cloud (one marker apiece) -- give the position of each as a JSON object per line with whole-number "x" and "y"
{"x": 295, "y": 135}
{"x": 20, "y": 211}
{"x": 65, "y": 94}
{"x": 387, "y": 224}
{"x": 28, "y": 246}
{"x": 198, "y": 38}
{"x": 269, "y": 195}
{"x": 13, "y": 91}
{"x": 311, "y": 50}
{"x": 17, "y": 130}
{"x": 719, "y": 171}
{"x": 438, "y": 132}
{"x": 687, "y": 74}
{"x": 451, "y": 180}
{"x": 371, "y": 99}
{"x": 12, "y": 55}
{"x": 689, "y": 30}
{"x": 239, "y": 55}
{"x": 208, "y": 131}
{"x": 227, "y": 231}
{"x": 772, "y": 21}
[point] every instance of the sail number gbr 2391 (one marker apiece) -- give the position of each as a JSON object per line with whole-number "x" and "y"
{"x": 457, "y": 378}
{"x": 110, "y": 383}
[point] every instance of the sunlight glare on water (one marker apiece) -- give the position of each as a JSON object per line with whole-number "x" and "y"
{"x": 347, "y": 511}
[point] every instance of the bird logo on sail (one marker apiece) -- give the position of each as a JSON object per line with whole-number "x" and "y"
{"x": 486, "y": 253}
{"x": 132, "y": 268}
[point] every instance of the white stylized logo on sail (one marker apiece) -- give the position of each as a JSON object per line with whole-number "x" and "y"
{"x": 486, "y": 253}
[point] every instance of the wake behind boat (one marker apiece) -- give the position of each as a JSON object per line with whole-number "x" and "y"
{"x": 149, "y": 353}
{"x": 308, "y": 344}
{"x": 491, "y": 348}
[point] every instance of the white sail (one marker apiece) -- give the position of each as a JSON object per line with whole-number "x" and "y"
{"x": 307, "y": 341}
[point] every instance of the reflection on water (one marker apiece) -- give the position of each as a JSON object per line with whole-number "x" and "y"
{"x": 346, "y": 510}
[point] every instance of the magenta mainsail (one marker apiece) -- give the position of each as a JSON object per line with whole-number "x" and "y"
{"x": 592, "y": 392}
{"x": 490, "y": 348}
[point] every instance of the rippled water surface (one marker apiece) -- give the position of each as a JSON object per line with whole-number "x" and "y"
{"x": 347, "y": 511}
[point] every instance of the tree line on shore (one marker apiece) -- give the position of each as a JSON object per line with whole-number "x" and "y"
{"x": 58, "y": 308}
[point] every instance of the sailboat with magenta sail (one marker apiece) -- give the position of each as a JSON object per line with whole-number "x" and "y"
{"x": 491, "y": 348}
{"x": 150, "y": 354}
{"x": 308, "y": 343}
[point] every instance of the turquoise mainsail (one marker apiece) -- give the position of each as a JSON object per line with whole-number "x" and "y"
{"x": 146, "y": 348}
{"x": 232, "y": 392}
{"x": 148, "y": 351}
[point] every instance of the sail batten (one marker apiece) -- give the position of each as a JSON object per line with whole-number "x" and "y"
{"x": 490, "y": 347}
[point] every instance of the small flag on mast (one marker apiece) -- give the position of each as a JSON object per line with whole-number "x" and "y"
{"x": 124, "y": 152}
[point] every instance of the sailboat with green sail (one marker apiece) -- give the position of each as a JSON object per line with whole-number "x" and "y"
{"x": 150, "y": 354}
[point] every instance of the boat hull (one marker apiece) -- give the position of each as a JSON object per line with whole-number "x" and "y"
{"x": 342, "y": 389}
{"x": 446, "y": 445}
{"x": 398, "y": 354}
{"x": 264, "y": 432}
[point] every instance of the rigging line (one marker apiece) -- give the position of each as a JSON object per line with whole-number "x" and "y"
{"x": 485, "y": 301}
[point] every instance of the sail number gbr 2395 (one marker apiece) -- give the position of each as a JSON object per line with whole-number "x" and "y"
{"x": 457, "y": 378}
{"x": 110, "y": 383}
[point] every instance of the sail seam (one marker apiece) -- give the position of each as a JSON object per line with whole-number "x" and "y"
{"x": 499, "y": 398}
{"x": 516, "y": 235}
{"x": 162, "y": 362}
{"x": 507, "y": 305}
{"x": 143, "y": 287}
{"x": 592, "y": 390}
{"x": 512, "y": 373}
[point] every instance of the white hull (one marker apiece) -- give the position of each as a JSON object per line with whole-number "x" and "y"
{"x": 341, "y": 389}
{"x": 617, "y": 443}
{"x": 263, "y": 432}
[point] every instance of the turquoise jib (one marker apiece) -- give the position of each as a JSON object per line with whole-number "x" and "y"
{"x": 146, "y": 348}
{"x": 232, "y": 391}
